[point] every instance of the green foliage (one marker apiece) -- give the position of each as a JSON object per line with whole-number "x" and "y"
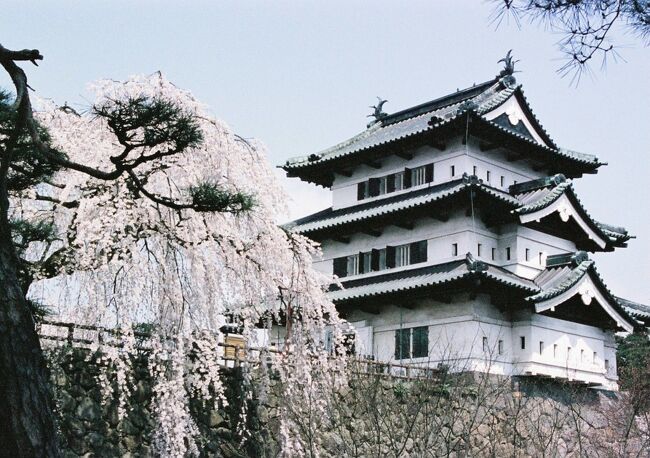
{"x": 39, "y": 311}
{"x": 400, "y": 390}
{"x": 633, "y": 351}
{"x": 149, "y": 122}
{"x": 210, "y": 197}
{"x": 25, "y": 232}
{"x": 28, "y": 166}
{"x": 633, "y": 357}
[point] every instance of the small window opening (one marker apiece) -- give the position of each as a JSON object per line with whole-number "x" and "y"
{"x": 508, "y": 253}
{"x": 487, "y": 176}
{"x": 454, "y": 249}
{"x": 453, "y": 170}
{"x": 474, "y": 170}
{"x": 485, "y": 344}
{"x": 554, "y": 350}
{"x": 522, "y": 342}
{"x": 503, "y": 181}
{"x": 494, "y": 253}
{"x": 478, "y": 249}
{"x": 500, "y": 347}
{"x": 594, "y": 358}
{"x": 541, "y": 258}
{"x": 527, "y": 254}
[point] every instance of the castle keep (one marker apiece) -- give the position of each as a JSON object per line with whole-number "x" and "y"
{"x": 456, "y": 235}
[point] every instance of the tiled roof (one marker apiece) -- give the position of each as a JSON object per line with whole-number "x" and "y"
{"x": 538, "y": 194}
{"x": 478, "y": 100}
{"x": 562, "y": 274}
{"x": 640, "y": 311}
{"x": 428, "y": 276}
{"x": 411, "y": 122}
{"x": 331, "y": 218}
{"x": 555, "y": 187}
{"x": 555, "y": 281}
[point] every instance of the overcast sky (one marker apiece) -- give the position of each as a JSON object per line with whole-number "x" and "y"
{"x": 300, "y": 76}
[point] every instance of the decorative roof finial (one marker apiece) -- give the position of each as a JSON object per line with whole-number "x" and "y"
{"x": 378, "y": 113}
{"x": 508, "y": 65}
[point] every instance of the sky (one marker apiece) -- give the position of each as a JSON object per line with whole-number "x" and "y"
{"x": 300, "y": 76}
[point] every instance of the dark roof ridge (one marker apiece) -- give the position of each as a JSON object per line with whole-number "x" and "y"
{"x": 454, "y": 186}
{"x": 474, "y": 267}
{"x": 532, "y": 185}
{"x": 438, "y": 103}
{"x": 565, "y": 259}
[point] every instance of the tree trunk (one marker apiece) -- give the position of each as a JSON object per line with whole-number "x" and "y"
{"x": 27, "y": 423}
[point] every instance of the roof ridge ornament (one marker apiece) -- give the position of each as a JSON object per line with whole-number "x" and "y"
{"x": 471, "y": 179}
{"x": 474, "y": 265}
{"x": 468, "y": 105}
{"x": 507, "y": 74}
{"x": 378, "y": 112}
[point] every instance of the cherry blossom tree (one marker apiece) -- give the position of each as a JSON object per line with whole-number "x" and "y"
{"x": 144, "y": 209}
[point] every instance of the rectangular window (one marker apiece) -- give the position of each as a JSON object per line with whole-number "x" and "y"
{"x": 402, "y": 343}
{"x": 407, "y": 178}
{"x": 500, "y": 347}
{"x": 373, "y": 187}
{"x": 478, "y": 249}
{"x": 527, "y": 254}
{"x": 421, "y": 342}
{"x": 594, "y": 358}
{"x": 522, "y": 342}
{"x": 487, "y": 176}
{"x": 582, "y": 356}
{"x": 485, "y": 344}
{"x": 453, "y": 170}
{"x": 541, "y": 347}
{"x": 363, "y": 191}
{"x": 554, "y": 350}
{"x": 390, "y": 183}
{"x": 353, "y": 265}
{"x": 503, "y": 181}
{"x": 454, "y": 249}
{"x": 428, "y": 173}
{"x": 383, "y": 185}
{"x": 418, "y": 176}
{"x": 341, "y": 266}
{"x": 418, "y": 252}
{"x": 568, "y": 353}
{"x": 541, "y": 258}
{"x": 474, "y": 170}
{"x": 399, "y": 181}
{"x": 494, "y": 253}
{"x": 381, "y": 261}
{"x": 390, "y": 257}
{"x": 365, "y": 262}
{"x": 508, "y": 253}
{"x": 402, "y": 255}
{"x": 607, "y": 365}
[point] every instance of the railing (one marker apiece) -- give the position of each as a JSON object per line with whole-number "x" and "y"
{"x": 233, "y": 355}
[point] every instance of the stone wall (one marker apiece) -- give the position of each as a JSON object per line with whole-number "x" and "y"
{"x": 90, "y": 424}
{"x": 372, "y": 415}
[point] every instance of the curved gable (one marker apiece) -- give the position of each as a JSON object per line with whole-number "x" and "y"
{"x": 515, "y": 114}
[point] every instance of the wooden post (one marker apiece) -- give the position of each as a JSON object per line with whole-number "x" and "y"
{"x": 70, "y": 333}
